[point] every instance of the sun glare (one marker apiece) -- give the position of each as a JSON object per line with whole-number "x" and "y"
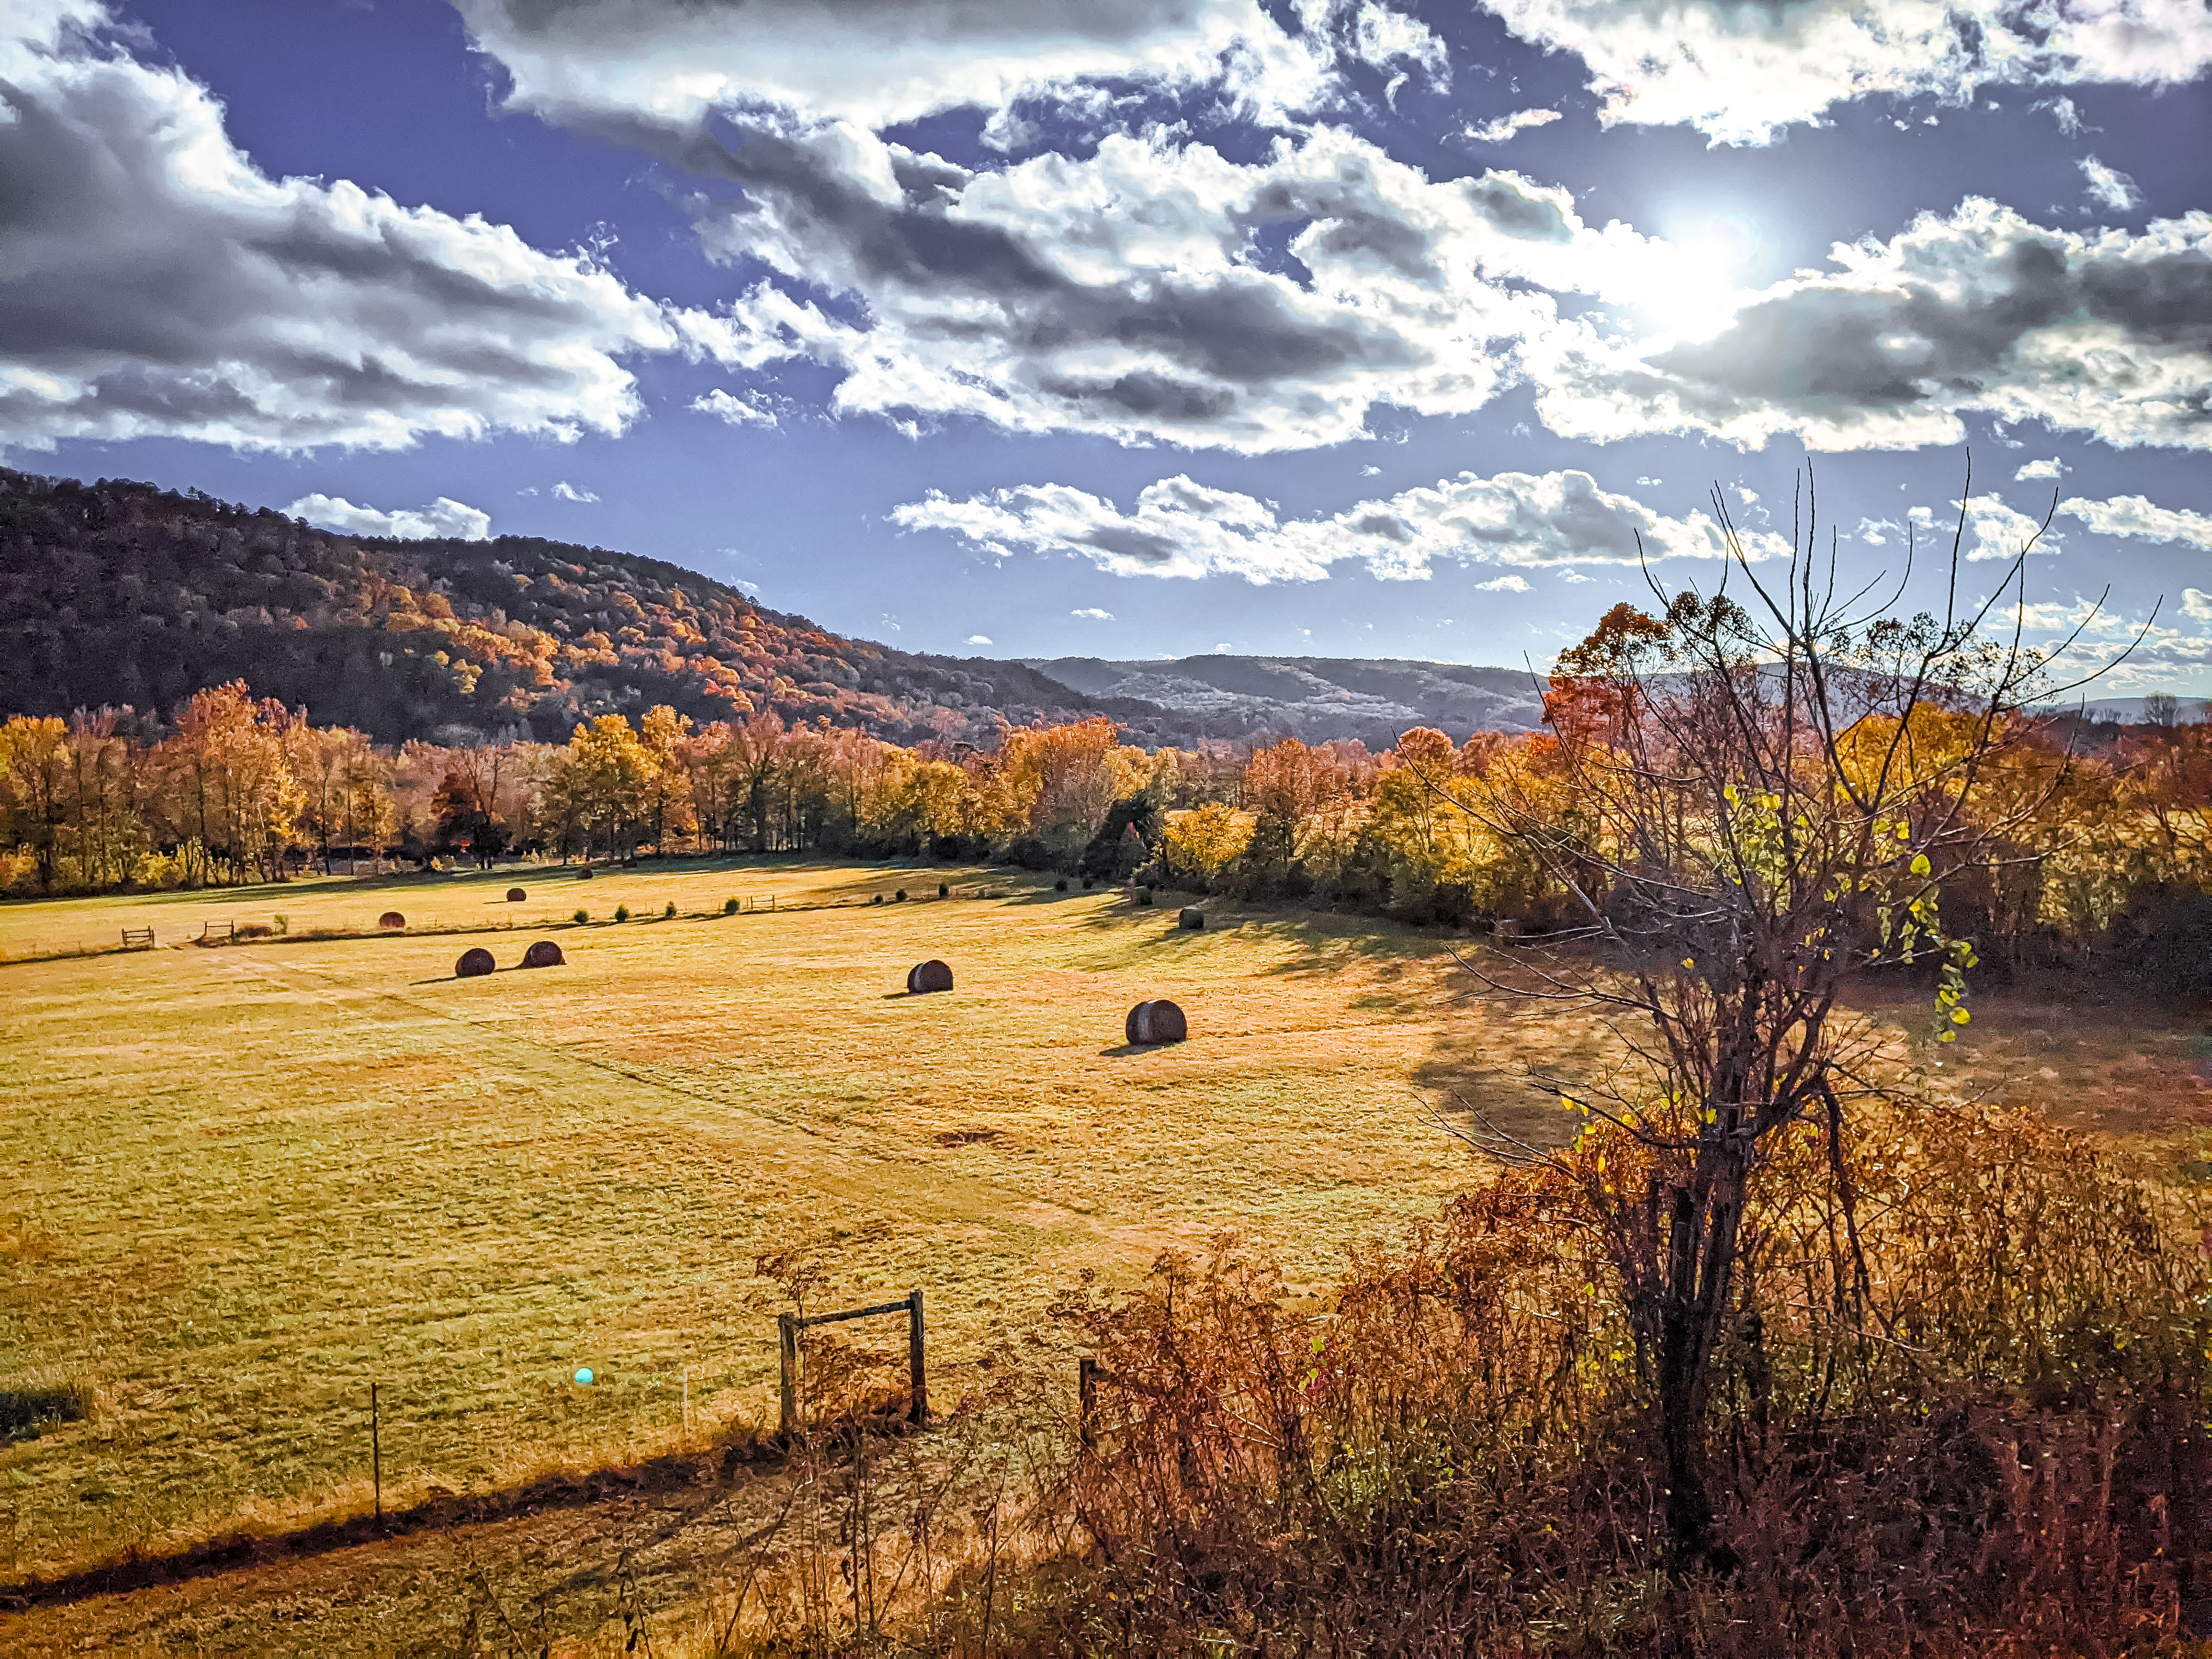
{"x": 1695, "y": 293}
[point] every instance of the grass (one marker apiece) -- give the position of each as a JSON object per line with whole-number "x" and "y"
{"x": 246, "y": 1181}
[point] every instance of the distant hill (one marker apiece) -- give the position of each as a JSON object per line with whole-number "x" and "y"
{"x": 117, "y": 593}
{"x": 1315, "y": 698}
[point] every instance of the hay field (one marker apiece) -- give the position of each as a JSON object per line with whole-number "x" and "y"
{"x": 246, "y": 1182}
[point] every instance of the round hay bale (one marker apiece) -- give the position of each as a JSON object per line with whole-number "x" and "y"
{"x": 931, "y": 976}
{"x": 1153, "y": 1022}
{"x": 515, "y": 895}
{"x": 544, "y": 954}
{"x": 584, "y": 874}
{"x": 474, "y": 963}
{"x": 1192, "y": 917}
{"x": 391, "y": 919}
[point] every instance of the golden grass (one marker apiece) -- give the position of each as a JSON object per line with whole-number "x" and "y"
{"x": 246, "y": 1182}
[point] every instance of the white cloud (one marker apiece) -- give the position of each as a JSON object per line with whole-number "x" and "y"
{"x": 1739, "y": 74}
{"x": 2063, "y": 111}
{"x": 2104, "y": 333}
{"x": 880, "y": 62}
{"x": 443, "y": 517}
{"x": 2197, "y": 604}
{"x": 1994, "y": 531}
{"x": 2137, "y": 515}
{"x": 567, "y": 492}
{"x": 2049, "y": 467}
{"x": 1181, "y": 528}
{"x": 1504, "y": 585}
{"x": 1094, "y": 613}
{"x": 1498, "y": 131}
{"x": 1127, "y": 292}
{"x": 979, "y": 638}
{"x": 2108, "y": 187}
{"x": 159, "y": 284}
{"x": 751, "y": 409}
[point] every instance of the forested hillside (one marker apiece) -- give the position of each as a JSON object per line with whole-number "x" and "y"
{"x": 117, "y": 593}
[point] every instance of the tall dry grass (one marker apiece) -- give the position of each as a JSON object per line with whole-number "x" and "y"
{"x": 1980, "y": 1429}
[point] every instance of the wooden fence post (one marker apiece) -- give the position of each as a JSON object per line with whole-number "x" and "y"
{"x": 914, "y": 1360}
{"x": 375, "y": 1452}
{"x": 787, "y": 1338}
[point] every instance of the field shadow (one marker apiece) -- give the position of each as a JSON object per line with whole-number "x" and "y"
{"x": 698, "y": 1473}
{"x": 1136, "y": 1050}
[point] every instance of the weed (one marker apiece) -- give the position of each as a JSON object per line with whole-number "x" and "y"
{"x": 622, "y": 912}
{"x": 581, "y": 916}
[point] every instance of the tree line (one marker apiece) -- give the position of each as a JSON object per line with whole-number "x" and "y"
{"x": 2106, "y": 827}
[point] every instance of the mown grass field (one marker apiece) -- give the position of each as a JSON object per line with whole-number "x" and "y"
{"x": 246, "y": 1182}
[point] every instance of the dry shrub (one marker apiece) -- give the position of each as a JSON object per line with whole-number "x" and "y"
{"x": 1979, "y": 1429}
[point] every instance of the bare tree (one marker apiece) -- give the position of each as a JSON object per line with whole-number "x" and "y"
{"x": 1764, "y": 796}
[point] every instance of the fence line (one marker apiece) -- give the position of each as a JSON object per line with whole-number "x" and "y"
{"x": 788, "y": 1326}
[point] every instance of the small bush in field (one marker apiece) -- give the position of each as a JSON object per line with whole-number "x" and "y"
{"x": 582, "y": 916}
{"x": 729, "y": 907}
{"x": 899, "y": 897}
{"x": 944, "y": 890}
{"x": 669, "y": 915}
{"x": 622, "y": 912}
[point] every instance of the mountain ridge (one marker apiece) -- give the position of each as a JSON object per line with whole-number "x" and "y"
{"x": 119, "y": 593}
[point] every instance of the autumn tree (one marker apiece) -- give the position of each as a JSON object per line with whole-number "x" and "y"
{"x": 34, "y": 782}
{"x": 1768, "y": 808}
{"x": 231, "y": 776}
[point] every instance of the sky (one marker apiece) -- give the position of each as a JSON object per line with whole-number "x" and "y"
{"x": 1148, "y": 328}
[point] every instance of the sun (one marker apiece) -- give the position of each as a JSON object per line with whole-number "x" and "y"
{"x": 1696, "y": 287}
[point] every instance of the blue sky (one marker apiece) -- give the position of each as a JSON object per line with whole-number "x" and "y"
{"x": 1142, "y": 327}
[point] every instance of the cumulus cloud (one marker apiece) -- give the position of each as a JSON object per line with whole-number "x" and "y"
{"x": 566, "y": 491}
{"x": 2049, "y": 467}
{"x": 1134, "y": 293}
{"x": 1498, "y": 131}
{"x": 2137, "y": 515}
{"x": 2108, "y": 187}
{"x": 1739, "y": 74}
{"x": 1094, "y": 613}
{"x": 1994, "y": 531}
{"x": 1504, "y": 585}
{"x": 2104, "y": 333}
{"x": 1182, "y": 528}
{"x": 880, "y": 62}
{"x": 444, "y": 517}
{"x": 751, "y": 409}
{"x": 158, "y": 284}
{"x": 979, "y": 638}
